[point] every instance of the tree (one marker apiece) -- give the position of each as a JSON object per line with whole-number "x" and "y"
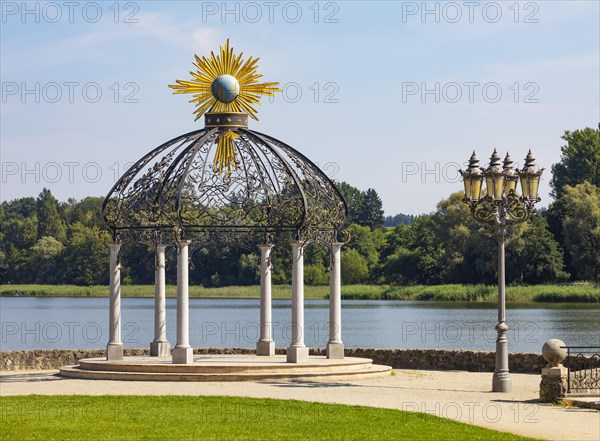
{"x": 367, "y": 242}
{"x": 579, "y": 162}
{"x": 45, "y": 260}
{"x": 582, "y": 229}
{"x": 371, "y": 210}
{"x": 399, "y": 219}
{"x": 50, "y": 222}
{"x": 315, "y": 275}
{"x": 87, "y": 211}
{"x": 354, "y": 200}
{"x": 86, "y": 257}
{"x": 354, "y": 267}
{"x": 21, "y": 208}
{"x": 540, "y": 260}
{"x": 416, "y": 254}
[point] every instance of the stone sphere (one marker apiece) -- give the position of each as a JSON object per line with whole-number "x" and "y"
{"x": 553, "y": 353}
{"x": 225, "y": 88}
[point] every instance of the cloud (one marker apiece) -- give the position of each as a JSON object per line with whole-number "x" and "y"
{"x": 104, "y": 42}
{"x": 205, "y": 38}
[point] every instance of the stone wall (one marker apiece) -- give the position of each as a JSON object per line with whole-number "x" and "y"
{"x": 427, "y": 359}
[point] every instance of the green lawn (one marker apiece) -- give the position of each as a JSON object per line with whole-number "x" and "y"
{"x": 79, "y": 418}
{"x": 580, "y": 292}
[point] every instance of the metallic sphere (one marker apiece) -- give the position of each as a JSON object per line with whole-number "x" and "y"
{"x": 225, "y": 88}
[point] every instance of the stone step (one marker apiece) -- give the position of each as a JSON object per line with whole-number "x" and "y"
{"x": 370, "y": 371}
{"x": 225, "y": 364}
{"x": 225, "y": 368}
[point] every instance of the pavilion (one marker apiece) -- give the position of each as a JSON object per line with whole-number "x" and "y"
{"x": 225, "y": 184}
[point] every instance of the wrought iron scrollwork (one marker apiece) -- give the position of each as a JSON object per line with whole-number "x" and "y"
{"x": 272, "y": 193}
{"x": 510, "y": 210}
{"x": 484, "y": 211}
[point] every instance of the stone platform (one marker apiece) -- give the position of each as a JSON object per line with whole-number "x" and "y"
{"x": 225, "y": 368}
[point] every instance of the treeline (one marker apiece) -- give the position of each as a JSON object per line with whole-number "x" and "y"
{"x": 48, "y": 242}
{"x": 399, "y": 219}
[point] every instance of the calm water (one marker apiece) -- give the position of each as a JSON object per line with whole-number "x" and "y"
{"x": 69, "y": 323}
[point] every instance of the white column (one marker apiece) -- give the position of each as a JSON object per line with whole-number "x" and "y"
{"x": 266, "y": 345}
{"x": 335, "y": 347}
{"x": 160, "y": 346}
{"x": 182, "y": 353}
{"x": 114, "y": 349}
{"x": 297, "y": 352}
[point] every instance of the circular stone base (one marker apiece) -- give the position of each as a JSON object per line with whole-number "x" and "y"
{"x": 225, "y": 368}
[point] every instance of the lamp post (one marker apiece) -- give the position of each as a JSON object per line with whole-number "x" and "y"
{"x": 501, "y": 207}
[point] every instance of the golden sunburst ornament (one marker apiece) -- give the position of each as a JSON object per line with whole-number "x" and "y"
{"x": 225, "y": 88}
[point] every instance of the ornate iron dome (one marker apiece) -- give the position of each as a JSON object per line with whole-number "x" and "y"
{"x": 224, "y": 183}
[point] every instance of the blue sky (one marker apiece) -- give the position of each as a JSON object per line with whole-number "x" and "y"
{"x": 379, "y": 94}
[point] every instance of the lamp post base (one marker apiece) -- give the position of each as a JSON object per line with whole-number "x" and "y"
{"x": 501, "y": 382}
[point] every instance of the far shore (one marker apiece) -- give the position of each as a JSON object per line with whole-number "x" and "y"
{"x": 564, "y": 293}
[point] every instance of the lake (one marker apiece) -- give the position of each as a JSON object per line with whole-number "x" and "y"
{"x": 82, "y": 323}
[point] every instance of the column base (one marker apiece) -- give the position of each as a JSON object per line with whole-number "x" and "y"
{"x": 297, "y": 354}
{"x": 335, "y": 350}
{"x": 160, "y": 349}
{"x": 501, "y": 382}
{"x": 182, "y": 355}
{"x": 266, "y": 348}
{"x": 114, "y": 351}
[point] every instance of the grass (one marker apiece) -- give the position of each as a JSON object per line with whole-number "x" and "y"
{"x": 219, "y": 418}
{"x": 570, "y": 293}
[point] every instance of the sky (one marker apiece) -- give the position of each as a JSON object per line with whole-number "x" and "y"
{"x": 386, "y": 95}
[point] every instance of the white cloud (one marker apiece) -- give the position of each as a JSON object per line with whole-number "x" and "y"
{"x": 205, "y": 38}
{"x": 104, "y": 41}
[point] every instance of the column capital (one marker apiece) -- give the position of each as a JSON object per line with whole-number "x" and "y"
{"x": 184, "y": 242}
{"x": 265, "y": 246}
{"x": 114, "y": 246}
{"x": 337, "y": 244}
{"x": 161, "y": 247}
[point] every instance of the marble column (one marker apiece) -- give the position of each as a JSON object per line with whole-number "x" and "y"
{"x": 297, "y": 352}
{"x": 335, "y": 347}
{"x": 160, "y": 346}
{"x": 114, "y": 349}
{"x": 266, "y": 345}
{"x": 183, "y": 353}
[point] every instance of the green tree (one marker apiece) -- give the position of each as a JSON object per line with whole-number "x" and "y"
{"x": 367, "y": 242}
{"x": 354, "y": 267}
{"x": 22, "y": 233}
{"x": 50, "y": 222}
{"x": 582, "y": 229}
{"x": 85, "y": 257}
{"x": 579, "y": 161}
{"x": 540, "y": 259}
{"x": 371, "y": 210}
{"x": 416, "y": 254}
{"x": 403, "y": 267}
{"x": 45, "y": 260}
{"x": 87, "y": 211}
{"x": 399, "y": 219}
{"x": 354, "y": 200}
{"x": 315, "y": 275}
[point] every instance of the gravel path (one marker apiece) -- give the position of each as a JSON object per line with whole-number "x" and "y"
{"x": 462, "y": 396}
